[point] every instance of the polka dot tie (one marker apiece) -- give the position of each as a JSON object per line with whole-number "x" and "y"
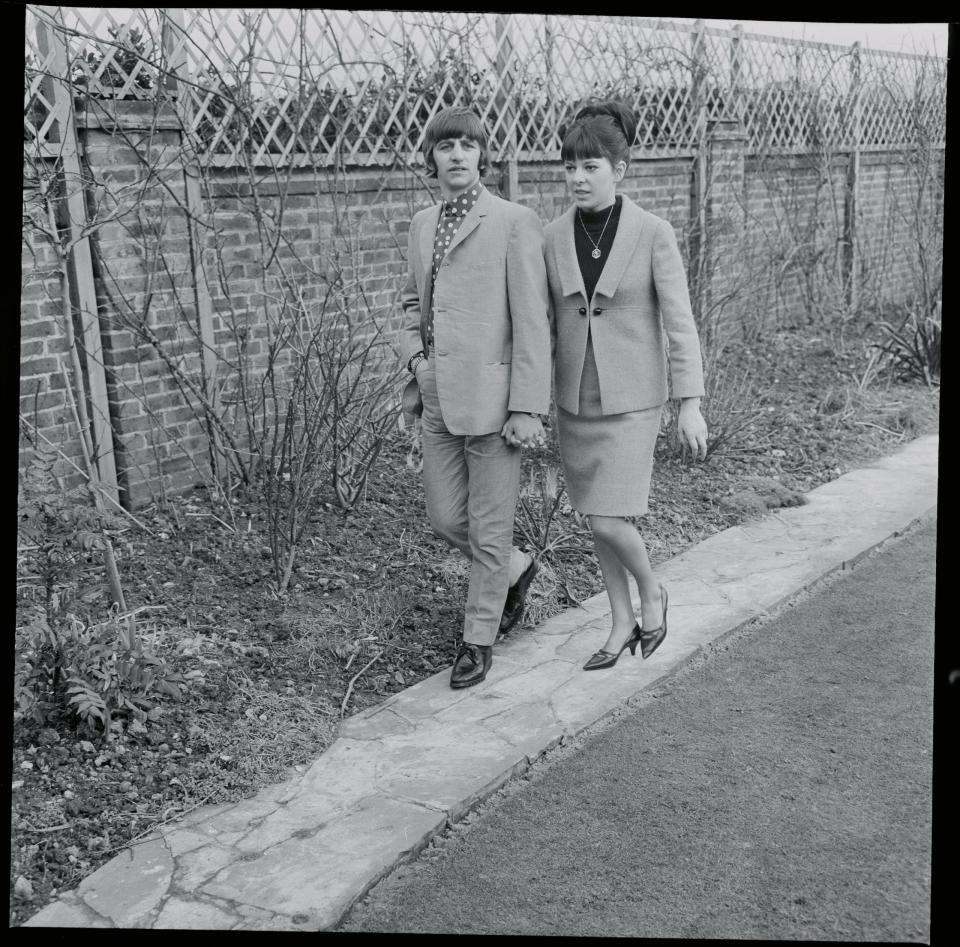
{"x": 451, "y": 217}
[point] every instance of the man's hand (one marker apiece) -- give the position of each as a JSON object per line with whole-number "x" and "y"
{"x": 521, "y": 430}
{"x": 421, "y": 367}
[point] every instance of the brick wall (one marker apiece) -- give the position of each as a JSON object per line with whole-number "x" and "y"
{"x": 771, "y": 224}
{"x": 792, "y": 239}
{"x": 889, "y": 221}
{"x": 794, "y": 232}
{"x": 43, "y": 348}
{"x": 158, "y": 441}
{"x": 660, "y": 185}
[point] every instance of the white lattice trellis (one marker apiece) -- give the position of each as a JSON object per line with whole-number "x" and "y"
{"x": 308, "y": 86}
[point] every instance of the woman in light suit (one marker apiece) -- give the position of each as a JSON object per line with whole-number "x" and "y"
{"x": 617, "y": 284}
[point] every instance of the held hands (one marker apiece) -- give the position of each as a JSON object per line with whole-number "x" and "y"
{"x": 521, "y": 430}
{"x": 692, "y": 429}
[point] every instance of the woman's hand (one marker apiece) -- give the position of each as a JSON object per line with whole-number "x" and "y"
{"x": 522, "y": 430}
{"x": 692, "y": 429}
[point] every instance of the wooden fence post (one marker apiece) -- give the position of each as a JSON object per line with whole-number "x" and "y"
{"x": 80, "y": 263}
{"x": 850, "y": 190}
{"x": 553, "y": 94}
{"x": 736, "y": 67}
{"x": 510, "y": 179}
{"x": 174, "y": 40}
{"x": 724, "y": 219}
{"x": 699, "y": 183}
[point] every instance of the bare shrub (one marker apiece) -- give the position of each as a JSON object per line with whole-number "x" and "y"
{"x": 331, "y": 413}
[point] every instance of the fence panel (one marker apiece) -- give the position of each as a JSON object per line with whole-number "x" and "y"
{"x": 311, "y": 86}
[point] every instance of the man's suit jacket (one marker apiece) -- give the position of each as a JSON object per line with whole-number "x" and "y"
{"x": 491, "y": 329}
{"x": 641, "y": 292}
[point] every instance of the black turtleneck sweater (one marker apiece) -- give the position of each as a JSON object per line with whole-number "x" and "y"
{"x": 593, "y": 221}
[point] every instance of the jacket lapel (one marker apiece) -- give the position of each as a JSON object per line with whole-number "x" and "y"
{"x": 565, "y": 254}
{"x": 472, "y": 220}
{"x": 427, "y": 233}
{"x": 624, "y": 243}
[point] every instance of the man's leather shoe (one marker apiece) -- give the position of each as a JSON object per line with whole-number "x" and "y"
{"x": 517, "y": 597}
{"x": 471, "y": 665}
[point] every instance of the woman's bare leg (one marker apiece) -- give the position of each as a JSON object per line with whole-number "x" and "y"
{"x": 618, "y": 591}
{"x": 627, "y": 545}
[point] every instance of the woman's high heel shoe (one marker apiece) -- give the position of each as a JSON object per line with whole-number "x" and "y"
{"x": 607, "y": 659}
{"x": 651, "y": 640}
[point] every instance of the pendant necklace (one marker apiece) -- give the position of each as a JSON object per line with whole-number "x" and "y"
{"x": 595, "y": 252}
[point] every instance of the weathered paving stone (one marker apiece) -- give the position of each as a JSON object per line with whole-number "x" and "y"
{"x": 459, "y": 809}
{"x": 127, "y": 889}
{"x": 570, "y": 621}
{"x": 580, "y": 647}
{"x": 204, "y": 815}
{"x": 426, "y": 698}
{"x": 484, "y": 701}
{"x": 305, "y": 814}
{"x": 585, "y": 699}
{"x": 320, "y": 876}
{"x": 257, "y": 919}
{"x": 531, "y": 727}
{"x": 446, "y": 764}
{"x": 193, "y": 915}
{"x": 67, "y": 911}
{"x": 540, "y": 679}
{"x": 343, "y": 771}
{"x": 181, "y": 841}
{"x": 374, "y": 726}
{"x": 193, "y": 868}
{"x": 270, "y": 922}
{"x": 534, "y": 649}
{"x": 239, "y": 816}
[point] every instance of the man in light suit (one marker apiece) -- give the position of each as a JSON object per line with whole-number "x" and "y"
{"x": 476, "y": 338}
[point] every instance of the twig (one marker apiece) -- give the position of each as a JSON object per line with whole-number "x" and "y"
{"x": 125, "y": 615}
{"x": 93, "y": 477}
{"x": 51, "y": 828}
{"x": 397, "y": 647}
{"x": 353, "y": 680}
{"x": 142, "y": 837}
{"x": 880, "y": 427}
{"x": 95, "y": 486}
{"x": 217, "y": 518}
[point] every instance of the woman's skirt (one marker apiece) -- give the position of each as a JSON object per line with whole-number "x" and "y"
{"x": 607, "y": 459}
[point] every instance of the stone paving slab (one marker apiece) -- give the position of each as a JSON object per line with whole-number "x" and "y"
{"x": 296, "y": 856}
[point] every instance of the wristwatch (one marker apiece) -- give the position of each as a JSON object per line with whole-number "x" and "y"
{"x": 414, "y": 361}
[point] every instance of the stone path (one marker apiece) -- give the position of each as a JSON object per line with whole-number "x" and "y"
{"x": 297, "y": 855}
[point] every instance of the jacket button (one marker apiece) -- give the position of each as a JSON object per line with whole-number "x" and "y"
{"x": 597, "y": 311}
{"x": 582, "y": 310}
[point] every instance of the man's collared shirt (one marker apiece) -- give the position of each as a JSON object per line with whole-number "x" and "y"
{"x": 451, "y": 217}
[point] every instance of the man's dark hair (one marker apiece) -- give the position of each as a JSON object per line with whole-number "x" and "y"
{"x": 454, "y": 122}
{"x": 604, "y": 129}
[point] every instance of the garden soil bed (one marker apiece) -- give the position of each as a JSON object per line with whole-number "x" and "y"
{"x": 376, "y": 605}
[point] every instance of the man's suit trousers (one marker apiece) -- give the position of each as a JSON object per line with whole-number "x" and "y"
{"x": 471, "y": 485}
